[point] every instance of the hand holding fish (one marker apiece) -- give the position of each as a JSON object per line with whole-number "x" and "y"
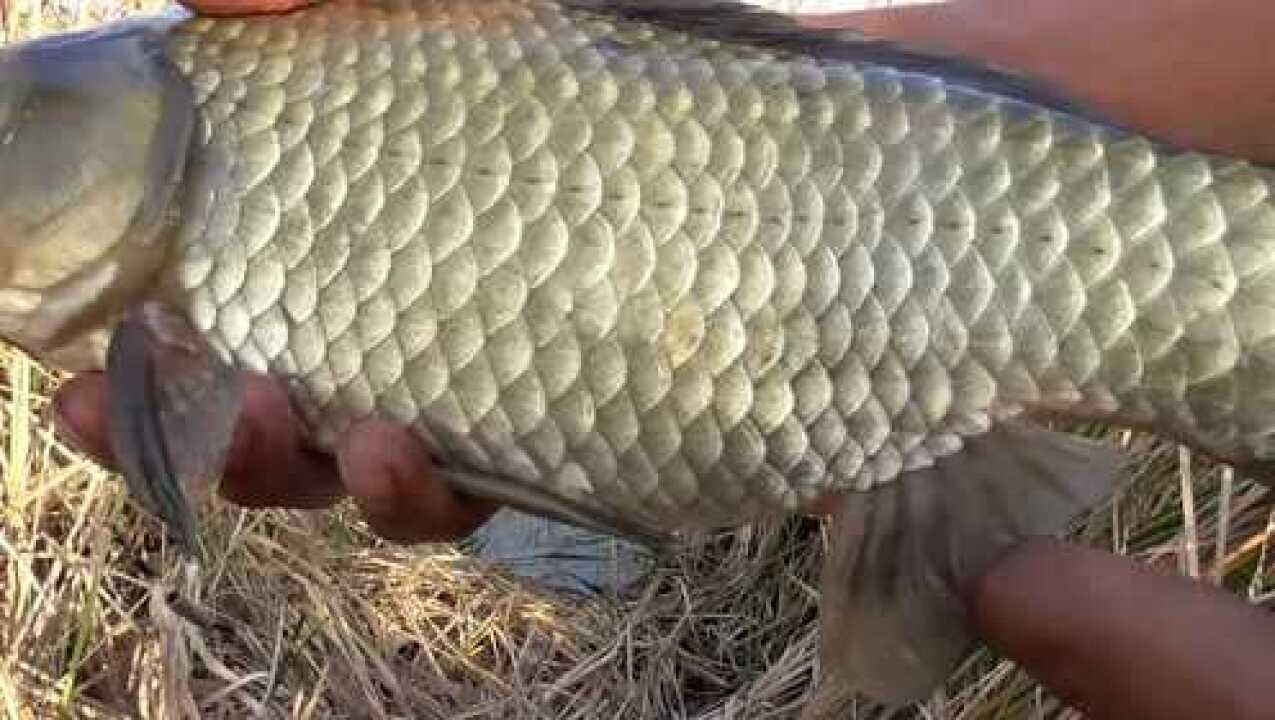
{"x": 380, "y": 465}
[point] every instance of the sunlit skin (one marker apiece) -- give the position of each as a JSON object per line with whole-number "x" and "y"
{"x": 1112, "y": 637}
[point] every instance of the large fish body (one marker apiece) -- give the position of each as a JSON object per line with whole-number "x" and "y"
{"x": 642, "y": 272}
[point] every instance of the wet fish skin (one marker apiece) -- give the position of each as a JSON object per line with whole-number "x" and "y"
{"x": 559, "y": 246}
{"x": 659, "y": 280}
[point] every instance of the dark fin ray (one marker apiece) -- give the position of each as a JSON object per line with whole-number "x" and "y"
{"x": 539, "y": 502}
{"x": 172, "y": 408}
{"x": 555, "y": 542}
{"x": 903, "y": 557}
{"x": 736, "y": 22}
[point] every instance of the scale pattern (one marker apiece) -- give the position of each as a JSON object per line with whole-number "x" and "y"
{"x": 691, "y": 281}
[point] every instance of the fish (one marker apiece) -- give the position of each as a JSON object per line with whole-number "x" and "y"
{"x": 642, "y": 267}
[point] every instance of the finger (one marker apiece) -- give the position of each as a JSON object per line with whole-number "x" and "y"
{"x": 244, "y": 7}
{"x": 270, "y": 464}
{"x": 1120, "y": 640}
{"x": 390, "y": 476}
{"x": 78, "y": 412}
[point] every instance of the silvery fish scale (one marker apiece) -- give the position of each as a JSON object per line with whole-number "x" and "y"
{"x": 690, "y": 281}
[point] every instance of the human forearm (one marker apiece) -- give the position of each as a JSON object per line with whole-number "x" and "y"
{"x": 1122, "y": 641}
{"x": 1195, "y": 72}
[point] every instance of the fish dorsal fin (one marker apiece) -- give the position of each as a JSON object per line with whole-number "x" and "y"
{"x": 737, "y": 22}
{"x": 904, "y": 557}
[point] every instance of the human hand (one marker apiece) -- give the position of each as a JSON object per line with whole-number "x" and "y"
{"x": 1119, "y": 640}
{"x": 379, "y": 464}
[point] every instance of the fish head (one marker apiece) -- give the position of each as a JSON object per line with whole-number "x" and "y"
{"x": 94, "y": 131}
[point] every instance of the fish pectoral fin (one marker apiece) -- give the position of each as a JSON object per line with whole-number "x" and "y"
{"x": 172, "y": 408}
{"x": 905, "y": 557}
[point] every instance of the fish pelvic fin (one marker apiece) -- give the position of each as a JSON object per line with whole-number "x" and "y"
{"x": 905, "y": 558}
{"x": 535, "y": 501}
{"x": 172, "y": 406}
